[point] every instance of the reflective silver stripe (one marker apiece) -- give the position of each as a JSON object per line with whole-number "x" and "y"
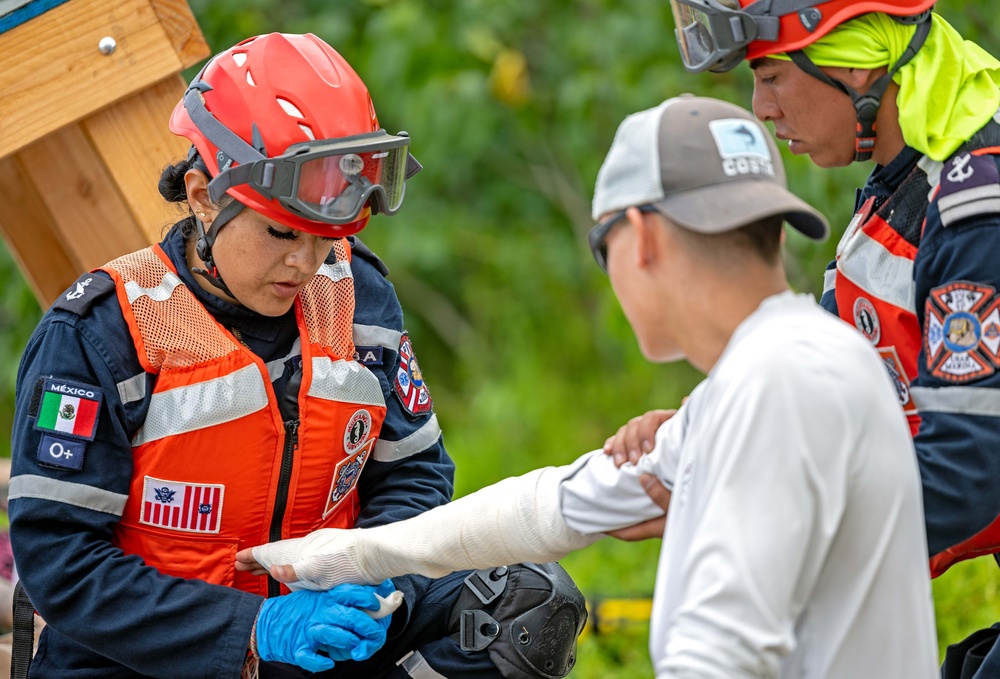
{"x": 132, "y": 389}
{"x": 416, "y": 666}
{"x": 336, "y": 272}
{"x": 376, "y": 336}
{"x": 160, "y": 293}
{"x": 975, "y": 201}
{"x": 418, "y": 441}
{"x": 76, "y": 494}
{"x": 202, "y": 405}
{"x": 872, "y": 268}
{"x": 958, "y": 400}
{"x": 829, "y": 280}
{"x": 344, "y": 381}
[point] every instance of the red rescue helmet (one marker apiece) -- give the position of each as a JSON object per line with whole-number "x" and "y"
{"x": 285, "y": 126}
{"x": 715, "y": 35}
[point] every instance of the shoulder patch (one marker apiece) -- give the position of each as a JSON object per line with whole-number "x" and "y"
{"x": 369, "y": 355}
{"x": 970, "y": 186}
{"x": 361, "y": 250}
{"x": 62, "y": 453}
{"x": 962, "y": 332}
{"x": 409, "y": 385}
{"x": 87, "y": 289}
{"x": 70, "y": 409}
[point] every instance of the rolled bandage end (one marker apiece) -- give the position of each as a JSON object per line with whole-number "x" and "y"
{"x": 386, "y": 605}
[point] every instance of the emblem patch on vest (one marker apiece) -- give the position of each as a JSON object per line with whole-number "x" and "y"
{"x": 187, "y": 507}
{"x": 962, "y": 332}
{"x": 69, "y": 409}
{"x": 345, "y": 477}
{"x": 358, "y": 428}
{"x": 409, "y": 383}
{"x": 866, "y": 320}
{"x": 890, "y": 358}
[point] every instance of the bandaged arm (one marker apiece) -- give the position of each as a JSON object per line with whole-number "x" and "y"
{"x": 517, "y": 519}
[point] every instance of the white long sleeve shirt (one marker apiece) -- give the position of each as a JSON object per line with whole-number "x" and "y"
{"x": 795, "y": 544}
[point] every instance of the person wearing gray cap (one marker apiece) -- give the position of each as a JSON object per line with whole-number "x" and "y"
{"x": 794, "y": 543}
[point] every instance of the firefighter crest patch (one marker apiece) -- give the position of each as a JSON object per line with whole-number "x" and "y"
{"x": 409, "y": 383}
{"x": 346, "y": 475}
{"x": 962, "y": 332}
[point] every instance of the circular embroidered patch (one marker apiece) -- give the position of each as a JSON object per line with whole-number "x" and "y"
{"x": 358, "y": 428}
{"x": 866, "y": 320}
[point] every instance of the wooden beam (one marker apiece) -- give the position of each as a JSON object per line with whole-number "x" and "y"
{"x": 31, "y": 235}
{"x": 52, "y": 73}
{"x": 135, "y": 144}
{"x": 183, "y": 29}
{"x": 92, "y": 220}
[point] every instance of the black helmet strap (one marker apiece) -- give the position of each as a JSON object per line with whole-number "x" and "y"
{"x": 866, "y": 105}
{"x": 206, "y": 240}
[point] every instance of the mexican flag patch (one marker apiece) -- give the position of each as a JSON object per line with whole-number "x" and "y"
{"x": 69, "y": 408}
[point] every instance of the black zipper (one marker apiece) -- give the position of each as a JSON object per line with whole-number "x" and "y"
{"x": 281, "y": 500}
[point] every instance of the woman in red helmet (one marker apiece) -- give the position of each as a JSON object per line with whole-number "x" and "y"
{"x": 916, "y": 270}
{"x": 245, "y": 380}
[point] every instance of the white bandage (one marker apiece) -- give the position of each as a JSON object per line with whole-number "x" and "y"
{"x": 517, "y": 519}
{"x": 386, "y": 605}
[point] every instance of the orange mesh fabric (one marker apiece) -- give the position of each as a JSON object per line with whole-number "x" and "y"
{"x": 176, "y": 331}
{"x": 328, "y": 308}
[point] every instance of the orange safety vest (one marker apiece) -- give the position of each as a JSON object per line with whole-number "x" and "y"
{"x": 215, "y": 469}
{"x": 875, "y": 292}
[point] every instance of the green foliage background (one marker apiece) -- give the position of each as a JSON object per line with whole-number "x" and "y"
{"x": 511, "y": 106}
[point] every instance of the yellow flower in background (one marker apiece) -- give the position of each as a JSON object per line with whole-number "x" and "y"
{"x": 509, "y": 77}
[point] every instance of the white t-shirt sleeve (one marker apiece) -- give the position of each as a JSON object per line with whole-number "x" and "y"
{"x": 597, "y": 497}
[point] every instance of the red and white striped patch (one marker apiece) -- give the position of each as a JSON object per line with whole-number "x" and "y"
{"x": 192, "y": 508}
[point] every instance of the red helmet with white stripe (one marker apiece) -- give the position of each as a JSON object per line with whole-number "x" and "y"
{"x": 285, "y": 126}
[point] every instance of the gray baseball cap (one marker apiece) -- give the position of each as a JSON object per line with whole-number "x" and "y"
{"x": 707, "y": 165}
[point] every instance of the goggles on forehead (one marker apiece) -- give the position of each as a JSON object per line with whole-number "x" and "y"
{"x": 713, "y": 34}
{"x": 329, "y": 180}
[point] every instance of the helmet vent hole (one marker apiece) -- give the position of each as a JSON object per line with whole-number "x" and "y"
{"x": 308, "y": 131}
{"x": 240, "y": 58}
{"x": 250, "y": 80}
{"x": 289, "y": 108}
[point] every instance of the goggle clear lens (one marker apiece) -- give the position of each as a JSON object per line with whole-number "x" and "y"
{"x": 694, "y": 35}
{"x": 712, "y": 34}
{"x": 338, "y": 186}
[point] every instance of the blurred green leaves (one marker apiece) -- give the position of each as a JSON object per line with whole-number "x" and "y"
{"x": 511, "y": 106}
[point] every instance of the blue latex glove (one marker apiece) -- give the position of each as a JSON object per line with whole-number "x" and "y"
{"x": 314, "y": 629}
{"x": 366, "y": 649}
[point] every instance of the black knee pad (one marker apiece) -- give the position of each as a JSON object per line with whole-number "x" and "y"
{"x": 528, "y": 616}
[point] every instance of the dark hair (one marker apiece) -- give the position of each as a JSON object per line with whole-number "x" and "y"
{"x": 762, "y": 238}
{"x": 172, "y": 187}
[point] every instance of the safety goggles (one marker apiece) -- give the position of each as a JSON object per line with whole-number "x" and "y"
{"x": 598, "y": 235}
{"x": 713, "y": 34}
{"x": 329, "y": 180}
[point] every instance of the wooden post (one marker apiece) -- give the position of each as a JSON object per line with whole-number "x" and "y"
{"x": 83, "y": 129}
